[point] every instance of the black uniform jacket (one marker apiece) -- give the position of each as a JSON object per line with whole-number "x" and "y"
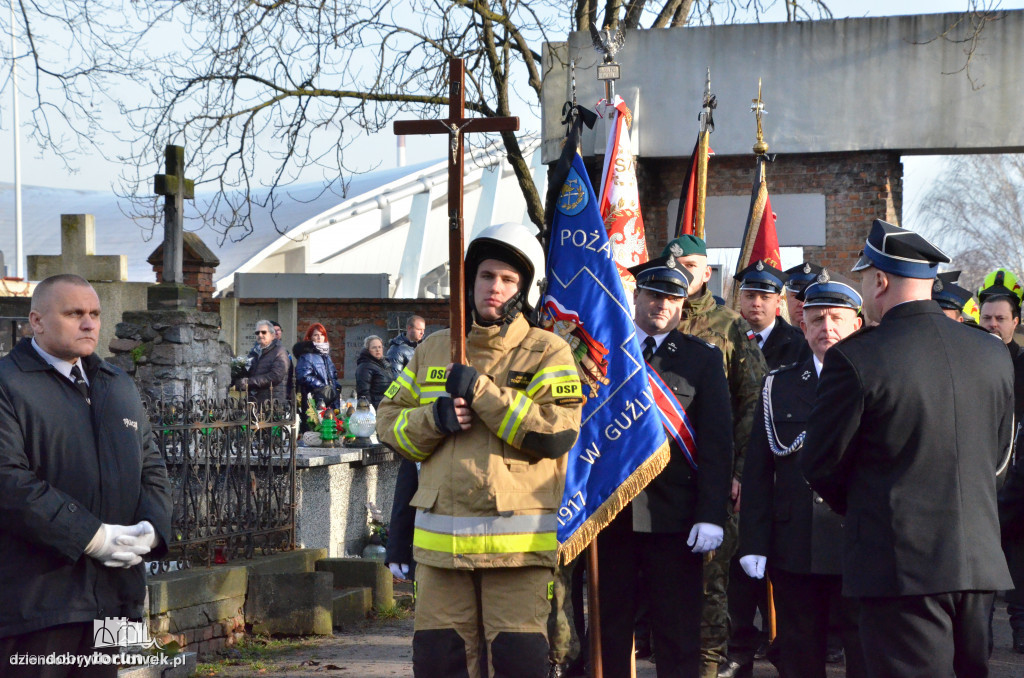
{"x": 680, "y": 497}
{"x": 1011, "y": 520}
{"x": 1017, "y": 356}
{"x": 911, "y": 420}
{"x": 66, "y": 468}
{"x": 782, "y": 517}
{"x": 785, "y": 345}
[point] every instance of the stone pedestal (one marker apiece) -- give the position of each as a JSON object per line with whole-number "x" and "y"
{"x": 173, "y": 353}
{"x": 170, "y": 297}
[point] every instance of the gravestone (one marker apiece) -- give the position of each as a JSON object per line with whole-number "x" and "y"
{"x": 354, "y": 337}
{"x": 173, "y": 349}
{"x": 106, "y": 273}
{"x": 78, "y": 254}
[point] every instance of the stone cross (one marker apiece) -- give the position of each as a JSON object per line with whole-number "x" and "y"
{"x": 78, "y": 254}
{"x": 176, "y": 189}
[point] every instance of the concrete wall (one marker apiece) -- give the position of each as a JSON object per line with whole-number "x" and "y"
{"x": 847, "y": 85}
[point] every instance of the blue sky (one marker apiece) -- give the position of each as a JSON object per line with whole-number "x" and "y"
{"x": 95, "y": 173}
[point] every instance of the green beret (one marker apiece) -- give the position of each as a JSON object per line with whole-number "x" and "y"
{"x": 685, "y": 245}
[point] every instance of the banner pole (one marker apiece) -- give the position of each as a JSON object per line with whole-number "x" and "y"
{"x": 594, "y": 608}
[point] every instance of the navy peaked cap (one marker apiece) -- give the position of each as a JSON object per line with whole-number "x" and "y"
{"x": 801, "y": 276}
{"x": 761, "y": 277}
{"x": 658, "y": 276}
{"x": 831, "y": 290}
{"x": 898, "y": 251}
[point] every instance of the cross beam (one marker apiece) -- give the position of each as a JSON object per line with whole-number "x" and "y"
{"x": 456, "y": 125}
{"x": 176, "y": 189}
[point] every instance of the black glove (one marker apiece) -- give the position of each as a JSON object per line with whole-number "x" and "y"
{"x": 445, "y": 418}
{"x": 461, "y": 382}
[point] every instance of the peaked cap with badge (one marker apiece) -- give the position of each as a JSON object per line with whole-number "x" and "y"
{"x": 801, "y": 276}
{"x": 761, "y": 277}
{"x": 658, "y": 276}
{"x": 833, "y": 291}
{"x": 896, "y": 250}
{"x": 948, "y": 294}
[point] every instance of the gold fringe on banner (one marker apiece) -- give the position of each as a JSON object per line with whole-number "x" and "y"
{"x": 625, "y": 493}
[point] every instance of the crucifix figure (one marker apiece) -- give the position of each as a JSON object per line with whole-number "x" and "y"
{"x": 176, "y": 189}
{"x": 456, "y": 125}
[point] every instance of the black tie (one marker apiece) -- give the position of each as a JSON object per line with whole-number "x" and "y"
{"x": 79, "y": 381}
{"x": 649, "y": 346}
{"x": 760, "y": 339}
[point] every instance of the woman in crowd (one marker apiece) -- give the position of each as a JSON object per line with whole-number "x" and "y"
{"x": 315, "y": 374}
{"x": 373, "y": 373}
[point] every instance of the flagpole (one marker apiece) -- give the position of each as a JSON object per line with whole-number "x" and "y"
{"x": 753, "y": 214}
{"x": 703, "y": 144}
{"x": 594, "y": 610}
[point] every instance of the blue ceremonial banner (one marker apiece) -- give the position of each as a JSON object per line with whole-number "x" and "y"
{"x": 622, "y": 444}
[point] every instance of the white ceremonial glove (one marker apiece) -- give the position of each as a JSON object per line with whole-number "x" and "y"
{"x": 400, "y": 570}
{"x": 753, "y": 566}
{"x": 705, "y": 537}
{"x": 121, "y": 545}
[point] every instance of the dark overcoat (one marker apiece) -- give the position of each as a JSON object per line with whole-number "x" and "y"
{"x": 911, "y": 420}
{"x": 65, "y": 469}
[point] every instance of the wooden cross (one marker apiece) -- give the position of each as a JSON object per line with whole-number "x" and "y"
{"x": 176, "y": 189}
{"x": 456, "y": 125}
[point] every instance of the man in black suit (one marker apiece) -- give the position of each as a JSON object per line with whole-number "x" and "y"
{"x": 662, "y": 534}
{"x": 760, "y": 294}
{"x": 784, "y": 524}
{"x": 904, "y": 440}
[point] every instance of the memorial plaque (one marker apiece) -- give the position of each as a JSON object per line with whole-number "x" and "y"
{"x": 354, "y": 337}
{"x": 248, "y": 316}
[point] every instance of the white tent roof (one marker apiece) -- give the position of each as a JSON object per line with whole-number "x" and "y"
{"x": 365, "y": 231}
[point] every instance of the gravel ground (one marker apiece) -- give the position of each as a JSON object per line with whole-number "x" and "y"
{"x": 383, "y": 648}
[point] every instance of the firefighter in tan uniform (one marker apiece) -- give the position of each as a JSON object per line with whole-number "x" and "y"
{"x": 491, "y": 437}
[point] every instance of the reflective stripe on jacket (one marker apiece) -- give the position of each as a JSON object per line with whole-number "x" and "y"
{"x": 487, "y": 496}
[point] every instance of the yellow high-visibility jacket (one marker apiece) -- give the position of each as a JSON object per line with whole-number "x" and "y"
{"x": 488, "y": 496}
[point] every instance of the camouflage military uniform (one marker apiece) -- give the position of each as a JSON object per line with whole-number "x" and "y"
{"x": 744, "y": 368}
{"x": 564, "y": 643}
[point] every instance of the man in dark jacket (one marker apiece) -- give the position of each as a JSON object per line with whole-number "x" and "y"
{"x": 84, "y": 494}
{"x": 268, "y": 369}
{"x": 664, "y": 532}
{"x": 904, "y": 440}
{"x": 760, "y": 294}
{"x": 784, "y": 526}
{"x": 401, "y": 348}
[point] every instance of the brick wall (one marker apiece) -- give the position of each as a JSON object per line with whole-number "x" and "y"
{"x": 858, "y": 187}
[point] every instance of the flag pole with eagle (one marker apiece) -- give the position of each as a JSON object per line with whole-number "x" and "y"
{"x": 760, "y": 241}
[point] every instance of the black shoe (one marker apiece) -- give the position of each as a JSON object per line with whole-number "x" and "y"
{"x": 835, "y": 656}
{"x": 1018, "y": 641}
{"x": 734, "y": 669}
{"x": 762, "y": 650}
{"x": 642, "y": 650}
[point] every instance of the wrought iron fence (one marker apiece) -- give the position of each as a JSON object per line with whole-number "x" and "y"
{"x": 231, "y": 465}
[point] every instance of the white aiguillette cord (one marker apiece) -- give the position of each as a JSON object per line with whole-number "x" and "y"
{"x": 769, "y": 424}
